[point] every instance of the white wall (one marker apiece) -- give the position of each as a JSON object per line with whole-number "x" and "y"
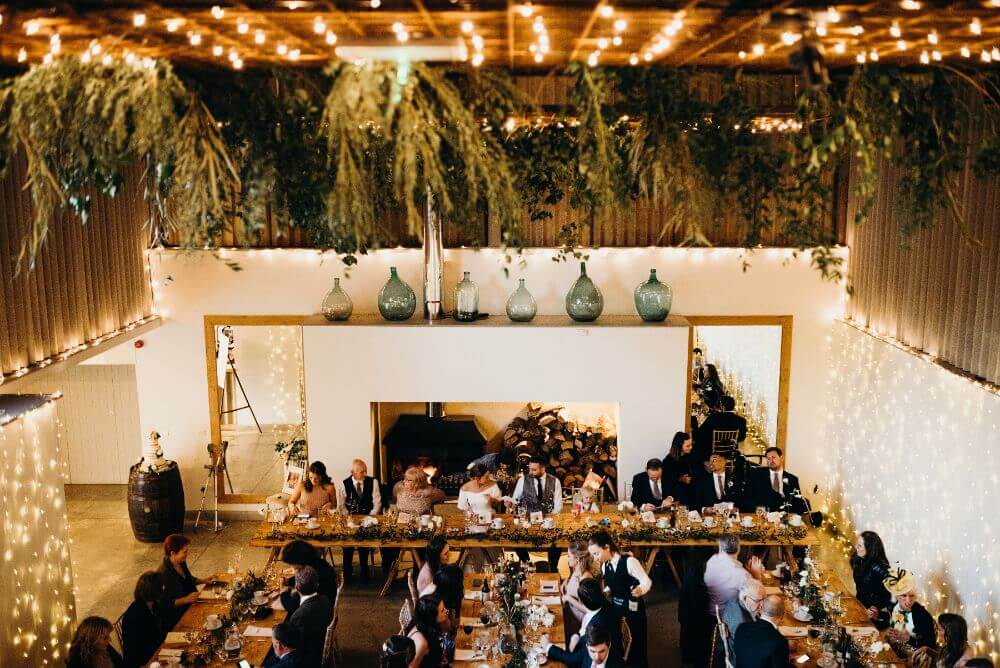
{"x": 915, "y": 456}
{"x": 347, "y": 367}
{"x": 170, "y": 369}
{"x": 36, "y": 578}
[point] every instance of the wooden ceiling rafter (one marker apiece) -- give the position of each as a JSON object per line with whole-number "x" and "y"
{"x": 510, "y": 34}
{"x": 758, "y": 20}
{"x": 297, "y": 41}
{"x": 647, "y": 45}
{"x": 427, "y": 18}
{"x": 585, "y": 33}
{"x": 344, "y": 18}
{"x": 206, "y": 30}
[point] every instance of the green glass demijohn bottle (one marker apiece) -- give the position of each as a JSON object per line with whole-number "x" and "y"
{"x": 337, "y": 305}
{"x": 396, "y": 300}
{"x": 466, "y": 299}
{"x": 584, "y": 301}
{"x": 653, "y": 299}
{"x": 521, "y": 306}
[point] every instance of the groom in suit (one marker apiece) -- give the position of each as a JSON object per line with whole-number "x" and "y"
{"x": 647, "y": 488}
{"x": 773, "y": 487}
{"x": 759, "y": 644}
{"x": 600, "y": 613}
{"x": 716, "y": 485}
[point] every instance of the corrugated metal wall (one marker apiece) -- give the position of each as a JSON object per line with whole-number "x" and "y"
{"x": 89, "y": 280}
{"x": 938, "y": 290}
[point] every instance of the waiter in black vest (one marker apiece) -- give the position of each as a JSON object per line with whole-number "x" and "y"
{"x": 627, "y": 583}
{"x": 360, "y": 494}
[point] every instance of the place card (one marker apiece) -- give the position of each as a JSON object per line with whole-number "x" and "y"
{"x": 473, "y": 596}
{"x": 257, "y": 632}
{"x": 210, "y": 595}
{"x": 548, "y": 586}
{"x": 468, "y": 654}
{"x": 170, "y": 653}
{"x": 546, "y": 600}
{"x": 861, "y": 631}
{"x": 470, "y": 621}
{"x": 794, "y": 631}
{"x": 537, "y": 517}
{"x": 404, "y": 518}
{"x": 175, "y": 638}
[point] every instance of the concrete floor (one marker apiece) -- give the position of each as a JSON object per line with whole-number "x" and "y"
{"x": 107, "y": 560}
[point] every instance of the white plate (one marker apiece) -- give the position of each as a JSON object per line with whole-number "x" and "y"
{"x": 803, "y": 616}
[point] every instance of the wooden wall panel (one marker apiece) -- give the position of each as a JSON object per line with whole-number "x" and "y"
{"x": 936, "y": 291}
{"x": 88, "y": 281}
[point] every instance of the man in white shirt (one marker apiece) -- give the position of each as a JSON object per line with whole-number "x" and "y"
{"x": 773, "y": 487}
{"x": 724, "y": 574}
{"x": 715, "y": 486}
{"x": 627, "y": 584}
{"x": 359, "y": 494}
{"x": 538, "y": 491}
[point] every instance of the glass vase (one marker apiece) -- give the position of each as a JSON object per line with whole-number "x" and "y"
{"x": 653, "y": 299}
{"x": 584, "y": 301}
{"x": 337, "y": 305}
{"x": 396, "y": 300}
{"x": 466, "y": 300}
{"x": 521, "y": 306}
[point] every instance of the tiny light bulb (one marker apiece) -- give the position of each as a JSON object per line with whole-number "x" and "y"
{"x": 603, "y": 43}
{"x": 620, "y": 25}
{"x": 758, "y": 49}
{"x": 995, "y": 53}
{"x": 195, "y": 39}
{"x": 85, "y": 57}
{"x": 526, "y": 10}
{"x": 832, "y": 15}
{"x": 617, "y": 40}
{"x": 607, "y": 11}
{"x": 538, "y": 57}
{"x": 238, "y": 64}
{"x": 259, "y": 37}
{"x": 821, "y": 30}
{"x": 790, "y": 38}
{"x": 839, "y": 47}
{"x": 895, "y": 30}
{"x": 242, "y": 27}
{"x": 467, "y": 26}
{"x": 22, "y": 55}
{"x": 647, "y": 56}
{"x": 319, "y": 27}
{"x": 976, "y": 28}
{"x": 633, "y": 59}
{"x": 31, "y": 27}
{"x": 935, "y": 55}
{"x": 873, "y": 56}
{"x": 173, "y": 25}
{"x": 217, "y": 50}
{"x": 910, "y": 5}
{"x": 901, "y": 45}
{"x": 375, "y": 4}
{"x": 861, "y": 57}
{"x": 138, "y": 20}
{"x": 924, "y": 57}
{"x": 932, "y": 37}
{"x": 217, "y": 12}
{"x": 477, "y": 59}
{"x": 398, "y": 27}
{"x": 331, "y": 37}
{"x": 403, "y": 36}
{"x": 857, "y": 30}
{"x": 742, "y": 55}
{"x": 477, "y": 42}
{"x": 592, "y": 59}
{"x": 538, "y": 27}
{"x": 107, "y": 59}
{"x": 965, "y": 52}
{"x": 294, "y": 54}
{"x": 282, "y": 49}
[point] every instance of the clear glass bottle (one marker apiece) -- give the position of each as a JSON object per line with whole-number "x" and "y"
{"x": 653, "y": 299}
{"x": 584, "y": 301}
{"x": 337, "y": 305}
{"x": 521, "y": 305}
{"x": 466, "y": 300}
{"x": 396, "y": 300}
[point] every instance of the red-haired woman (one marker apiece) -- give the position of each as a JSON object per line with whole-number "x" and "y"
{"x": 179, "y": 586}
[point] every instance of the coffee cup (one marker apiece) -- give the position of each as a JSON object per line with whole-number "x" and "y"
{"x": 662, "y": 523}
{"x": 497, "y": 523}
{"x": 748, "y": 520}
{"x": 548, "y": 523}
{"x": 795, "y": 520}
{"x": 212, "y": 621}
{"x": 709, "y": 521}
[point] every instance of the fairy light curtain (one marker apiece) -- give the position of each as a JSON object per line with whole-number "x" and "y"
{"x": 89, "y": 280}
{"x": 748, "y": 359}
{"x": 36, "y": 580}
{"x": 937, "y": 290}
{"x": 913, "y": 453}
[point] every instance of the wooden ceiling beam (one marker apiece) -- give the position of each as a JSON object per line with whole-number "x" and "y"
{"x": 428, "y": 18}
{"x": 510, "y": 34}
{"x": 591, "y": 20}
{"x": 298, "y": 41}
{"x": 345, "y": 18}
{"x": 759, "y": 19}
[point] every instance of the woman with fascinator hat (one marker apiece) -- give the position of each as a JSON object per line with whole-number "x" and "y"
{"x": 909, "y": 625}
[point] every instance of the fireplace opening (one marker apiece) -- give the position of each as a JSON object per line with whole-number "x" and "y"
{"x": 442, "y": 439}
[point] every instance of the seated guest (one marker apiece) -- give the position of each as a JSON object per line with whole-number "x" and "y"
{"x": 678, "y": 469}
{"x": 359, "y": 494}
{"x": 286, "y": 649}
{"x": 425, "y": 632}
{"x": 759, "y": 644}
{"x": 539, "y": 492}
{"x": 313, "y": 614}
{"x": 725, "y": 575}
{"x": 480, "y": 495}
{"x": 315, "y": 494}
{"x": 298, "y": 554}
{"x": 143, "y": 626}
{"x": 414, "y": 495}
{"x": 745, "y": 609}
{"x": 772, "y": 486}
{"x": 180, "y": 588}
{"x": 600, "y": 653}
{"x": 647, "y": 488}
{"x": 627, "y": 584}
{"x": 449, "y": 586}
{"x": 581, "y": 567}
{"x": 600, "y": 612}
{"x": 397, "y": 652}
{"x": 909, "y": 624}
{"x": 714, "y": 486}
{"x": 870, "y": 567}
{"x": 953, "y": 639}
{"x": 91, "y": 646}
{"x": 724, "y": 420}
{"x": 437, "y": 554}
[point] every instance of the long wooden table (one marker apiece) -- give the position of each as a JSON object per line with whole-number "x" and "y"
{"x": 331, "y": 534}
{"x": 465, "y": 642}
{"x": 254, "y": 649}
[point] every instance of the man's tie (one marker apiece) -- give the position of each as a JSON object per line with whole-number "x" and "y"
{"x": 357, "y": 486}
{"x": 718, "y": 485}
{"x": 538, "y": 485}
{"x": 656, "y": 491}
{"x": 607, "y": 570}
{"x": 775, "y": 483}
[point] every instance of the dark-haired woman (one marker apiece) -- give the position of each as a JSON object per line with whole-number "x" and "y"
{"x": 678, "y": 471}
{"x": 180, "y": 588}
{"x": 91, "y": 646}
{"x": 143, "y": 627}
{"x": 712, "y": 389}
{"x": 425, "y": 631}
{"x": 437, "y": 553}
{"x": 627, "y": 584}
{"x": 316, "y": 493}
{"x": 870, "y": 567}
{"x": 299, "y": 554}
{"x": 397, "y": 652}
{"x": 953, "y": 638}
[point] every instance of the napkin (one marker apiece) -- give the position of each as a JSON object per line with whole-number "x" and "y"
{"x": 469, "y": 621}
{"x": 209, "y": 595}
{"x": 546, "y": 600}
{"x": 468, "y": 655}
{"x": 257, "y": 632}
{"x": 794, "y": 631}
{"x": 859, "y": 631}
{"x": 473, "y": 595}
{"x": 175, "y": 637}
{"x": 174, "y": 653}
{"x": 548, "y": 586}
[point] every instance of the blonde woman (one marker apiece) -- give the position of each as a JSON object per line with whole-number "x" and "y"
{"x": 581, "y": 567}
{"x": 414, "y": 495}
{"x": 91, "y": 646}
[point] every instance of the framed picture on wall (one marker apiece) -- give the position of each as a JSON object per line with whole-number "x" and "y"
{"x": 293, "y": 476}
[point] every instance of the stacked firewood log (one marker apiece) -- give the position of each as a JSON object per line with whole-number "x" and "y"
{"x": 570, "y": 450}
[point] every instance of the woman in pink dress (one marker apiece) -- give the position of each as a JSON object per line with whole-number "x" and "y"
{"x": 315, "y": 494}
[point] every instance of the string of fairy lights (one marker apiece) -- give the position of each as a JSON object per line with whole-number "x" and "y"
{"x": 36, "y": 576}
{"x": 913, "y": 455}
{"x": 232, "y": 36}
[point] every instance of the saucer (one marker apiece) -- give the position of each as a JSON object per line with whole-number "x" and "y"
{"x": 213, "y": 627}
{"x": 802, "y": 615}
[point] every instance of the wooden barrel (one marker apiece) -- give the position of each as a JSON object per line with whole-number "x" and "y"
{"x": 155, "y": 503}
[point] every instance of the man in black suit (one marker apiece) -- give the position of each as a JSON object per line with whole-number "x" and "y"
{"x": 758, "y": 644}
{"x": 647, "y": 488}
{"x": 716, "y": 485}
{"x": 285, "y": 652}
{"x": 600, "y": 653}
{"x": 314, "y": 614}
{"x": 773, "y": 487}
{"x": 600, "y": 613}
{"x": 724, "y": 420}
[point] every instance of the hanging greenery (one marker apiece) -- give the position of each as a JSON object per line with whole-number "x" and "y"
{"x": 81, "y": 124}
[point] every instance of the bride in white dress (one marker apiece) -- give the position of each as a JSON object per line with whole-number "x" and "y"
{"x": 480, "y": 495}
